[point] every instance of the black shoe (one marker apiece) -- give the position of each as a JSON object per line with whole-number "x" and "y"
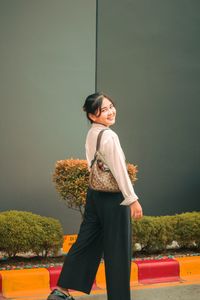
{"x": 58, "y": 295}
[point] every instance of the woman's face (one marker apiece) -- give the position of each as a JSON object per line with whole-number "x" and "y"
{"x": 106, "y": 114}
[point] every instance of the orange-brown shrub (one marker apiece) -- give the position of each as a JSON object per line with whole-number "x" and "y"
{"x": 71, "y": 177}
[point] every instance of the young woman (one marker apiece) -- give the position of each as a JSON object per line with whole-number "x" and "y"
{"x": 106, "y": 227}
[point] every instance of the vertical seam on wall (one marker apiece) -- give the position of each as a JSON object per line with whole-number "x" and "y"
{"x": 96, "y": 45}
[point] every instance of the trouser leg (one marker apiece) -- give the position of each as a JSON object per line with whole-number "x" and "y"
{"x": 82, "y": 260}
{"x": 117, "y": 247}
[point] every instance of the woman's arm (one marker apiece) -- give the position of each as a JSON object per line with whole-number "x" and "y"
{"x": 115, "y": 160}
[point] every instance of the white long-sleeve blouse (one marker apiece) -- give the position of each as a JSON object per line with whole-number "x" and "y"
{"x": 114, "y": 156}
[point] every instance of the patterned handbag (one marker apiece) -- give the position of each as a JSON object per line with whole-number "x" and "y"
{"x": 101, "y": 178}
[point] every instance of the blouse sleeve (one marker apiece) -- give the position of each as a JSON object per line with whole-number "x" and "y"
{"x": 114, "y": 157}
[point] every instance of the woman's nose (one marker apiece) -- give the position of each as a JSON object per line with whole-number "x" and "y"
{"x": 110, "y": 111}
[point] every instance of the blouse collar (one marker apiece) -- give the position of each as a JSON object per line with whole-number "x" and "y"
{"x": 99, "y": 125}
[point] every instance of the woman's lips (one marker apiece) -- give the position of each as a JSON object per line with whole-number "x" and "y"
{"x": 111, "y": 119}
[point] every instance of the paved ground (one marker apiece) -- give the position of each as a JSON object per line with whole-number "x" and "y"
{"x": 191, "y": 292}
{"x": 184, "y": 292}
{"x": 173, "y": 291}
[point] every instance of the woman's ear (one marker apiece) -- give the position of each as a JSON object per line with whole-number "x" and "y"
{"x": 92, "y": 117}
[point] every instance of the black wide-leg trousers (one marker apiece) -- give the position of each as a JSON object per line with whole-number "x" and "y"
{"x": 105, "y": 230}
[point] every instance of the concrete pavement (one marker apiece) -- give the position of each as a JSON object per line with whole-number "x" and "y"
{"x": 178, "y": 291}
{"x": 170, "y": 292}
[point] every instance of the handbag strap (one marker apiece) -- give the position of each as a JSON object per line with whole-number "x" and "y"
{"x": 98, "y": 145}
{"x": 99, "y": 139}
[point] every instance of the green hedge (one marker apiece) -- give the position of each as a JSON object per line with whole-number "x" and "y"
{"x": 155, "y": 233}
{"x": 22, "y": 232}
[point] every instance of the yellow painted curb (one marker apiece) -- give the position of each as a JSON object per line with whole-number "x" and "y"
{"x": 25, "y": 282}
{"x": 134, "y": 274}
{"x": 101, "y": 277}
{"x": 189, "y": 267}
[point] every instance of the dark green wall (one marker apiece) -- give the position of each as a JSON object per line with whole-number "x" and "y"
{"x": 47, "y": 68}
{"x": 149, "y": 61}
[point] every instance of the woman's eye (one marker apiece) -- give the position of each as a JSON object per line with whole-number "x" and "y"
{"x": 107, "y": 108}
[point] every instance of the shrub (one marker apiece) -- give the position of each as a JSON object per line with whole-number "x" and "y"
{"x": 22, "y": 231}
{"x": 152, "y": 233}
{"x": 155, "y": 233}
{"x": 14, "y": 233}
{"x": 188, "y": 230}
{"x": 71, "y": 177}
{"x": 141, "y": 232}
{"x": 51, "y": 239}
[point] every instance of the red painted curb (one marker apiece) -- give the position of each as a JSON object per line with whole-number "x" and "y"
{"x": 1, "y": 287}
{"x": 0, "y": 284}
{"x": 94, "y": 286}
{"x": 157, "y": 271}
{"x": 54, "y": 273}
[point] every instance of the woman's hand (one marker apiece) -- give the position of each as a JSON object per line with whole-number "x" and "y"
{"x": 136, "y": 210}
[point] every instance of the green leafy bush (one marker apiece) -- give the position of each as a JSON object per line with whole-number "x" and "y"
{"x": 51, "y": 239}
{"x": 154, "y": 234}
{"x": 21, "y": 232}
{"x": 71, "y": 177}
{"x": 188, "y": 230}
